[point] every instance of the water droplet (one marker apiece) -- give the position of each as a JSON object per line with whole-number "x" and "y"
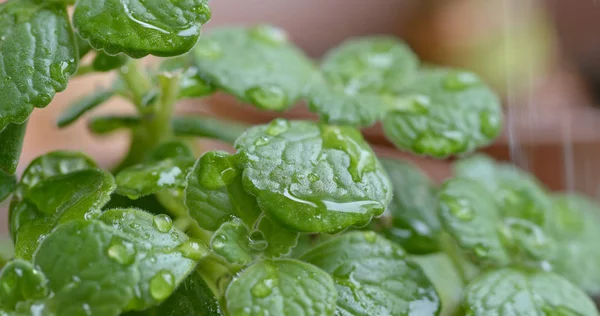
{"x": 460, "y": 209}
{"x": 261, "y": 141}
{"x": 219, "y": 242}
{"x": 263, "y": 288}
{"x": 192, "y": 249}
{"x": 490, "y": 124}
{"x": 269, "y": 34}
{"x": 277, "y": 127}
{"x": 208, "y": 49}
{"x": 350, "y": 141}
{"x": 370, "y": 237}
{"x": 437, "y": 145}
{"x": 416, "y": 104}
{"x": 121, "y": 251}
{"x": 481, "y": 251}
{"x": 458, "y": 81}
{"x": 268, "y": 97}
{"x": 313, "y": 177}
{"x": 163, "y": 223}
{"x": 162, "y": 285}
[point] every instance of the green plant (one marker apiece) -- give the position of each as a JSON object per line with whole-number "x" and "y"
{"x": 302, "y": 218}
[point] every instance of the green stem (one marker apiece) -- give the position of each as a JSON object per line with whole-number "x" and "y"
{"x": 137, "y": 82}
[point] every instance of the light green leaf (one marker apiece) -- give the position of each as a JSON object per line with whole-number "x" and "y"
{"x": 231, "y": 242}
{"x": 513, "y": 292}
{"x": 7, "y": 185}
{"x": 281, "y": 287}
{"x": 258, "y": 65}
{"x": 214, "y": 192}
{"x": 373, "y": 276}
{"x": 278, "y": 240}
{"x": 102, "y": 125}
{"x": 11, "y": 143}
{"x": 152, "y": 177}
{"x": 38, "y": 54}
{"x": 443, "y": 112}
{"x": 83, "y": 105}
{"x": 311, "y": 177}
{"x": 104, "y": 62}
{"x": 55, "y": 200}
{"x": 193, "y": 84}
{"x": 20, "y": 282}
{"x": 440, "y": 269}
{"x": 174, "y": 149}
{"x": 359, "y": 78}
{"x": 161, "y": 28}
{"x": 227, "y": 131}
{"x": 414, "y": 222}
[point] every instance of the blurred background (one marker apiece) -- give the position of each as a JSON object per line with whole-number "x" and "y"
{"x": 542, "y": 56}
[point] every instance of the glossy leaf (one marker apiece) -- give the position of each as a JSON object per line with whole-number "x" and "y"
{"x": 514, "y": 292}
{"x": 227, "y": 131}
{"x": 174, "y": 149}
{"x": 55, "y": 200}
{"x": 443, "y": 112}
{"x": 11, "y": 142}
{"x": 104, "y": 62}
{"x": 257, "y": 65}
{"x": 281, "y": 287}
{"x": 490, "y": 235}
{"x": 38, "y": 54}
{"x": 193, "y": 84}
{"x": 359, "y": 78}
{"x": 20, "y": 282}
{"x": 231, "y": 242}
{"x": 373, "y": 276}
{"x": 447, "y": 281}
{"x": 160, "y": 28}
{"x": 83, "y": 105}
{"x": 413, "y": 221}
{"x": 277, "y": 240}
{"x": 214, "y": 192}
{"x": 152, "y": 177}
{"x": 107, "y": 124}
{"x": 313, "y": 177}
{"x": 7, "y": 185}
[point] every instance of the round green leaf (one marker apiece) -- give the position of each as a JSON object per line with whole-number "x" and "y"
{"x": 20, "y": 282}
{"x": 373, "y": 277}
{"x": 448, "y": 283}
{"x": 104, "y": 62}
{"x": 414, "y": 223}
{"x": 38, "y": 54}
{"x": 313, "y": 177}
{"x": 279, "y": 241}
{"x": 161, "y": 28}
{"x": 443, "y": 112}
{"x": 514, "y": 292}
{"x": 231, "y": 242}
{"x": 258, "y": 65}
{"x": 359, "y": 77}
{"x": 151, "y": 177}
{"x": 281, "y": 287}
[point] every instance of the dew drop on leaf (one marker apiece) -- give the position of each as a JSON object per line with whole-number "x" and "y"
{"x": 121, "y": 251}
{"x": 192, "y": 249}
{"x": 481, "y": 251}
{"x": 277, "y": 127}
{"x": 313, "y": 177}
{"x": 219, "y": 241}
{"x": 163, "y": 223}
{"x": 261, "y": 141}
{"x": 370, "y": 237}
{"x": 460, "y": 209}
{"x": 263, "y": 288}
{"x": 162, "y": 285}
{"x": 490, "y": 124}
{"x": 269, "y": 34}
{"x": 267, "y": 97}
{"x": 459, "y": 81}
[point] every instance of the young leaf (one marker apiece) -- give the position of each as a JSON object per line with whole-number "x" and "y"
{"x": 515, "y": 292}
{"x": 278, "y": 240}
{"x": 20, "y": 282}
{"x": 414, "y": 221}
{"x": 359, "y": 77}
{"x": 7, "y": 185}
{"x": 38, "y": 54}
{"x": 373, "y": 276}
{"x": 313, "y": 177}
{"x": 102, "y": 125}
{"x": 192, "y": 84}
{"x": 227, "y": 131}
{"x": 104, "y": 62}
{"x": 151, "y": 177}
{"x": 83, "y": 105}
{"x": 214, "y": 192}
{"x": 160, "y": 28}
{"x": 281, "y": 287}
{"x": 488, "y": 233}
{"x": 11, "y": 142}
{"x": 258, "y": 65}
{"x": 231, "y": 242}
{"x": 440, "y": 269}
{"x": 55, "y": 200}
{"x": 443, "y": 112}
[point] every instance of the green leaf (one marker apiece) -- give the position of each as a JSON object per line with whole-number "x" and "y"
{"x": 141, "y": 258}
{"x": 492, "y": 235}
{"x": 447, "y": 281}
{"x": 443, "y": 112}
{"x": 359, "y": 78}
{"x": 104, "y": 62}
{"x": 7, "y": 249}
{"x": 373, "y": 276}
{"x": 192, "y": 298}
{"x": 414, "y": 223}
{"x": 575, "y": 227}
{"x": 38, "y": 54}
{"x": 7, "y": 185}
{"x": 11, "y": 142}
{"x": 279, "y": 241}
{"x": 20, "y": 282}
{"x": 152, "y": 177}
{"x": 514, "y": 292}
{"x": 83, "y": 105}
{"x": 102, "y": 125}
{"x": 231, "y": 242}
{"x": 224, "y": 130}
{"x": 257, "y": 64}
{"x": 58, "y": 199}
{"x": 281, "y": 287}
{"x": 214, "y": 192}
{"x": 161, "y": 28}
{"x": 174, "y": 149}
{"x": 311, "y": 177}
{"x": 193, "y": 84}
